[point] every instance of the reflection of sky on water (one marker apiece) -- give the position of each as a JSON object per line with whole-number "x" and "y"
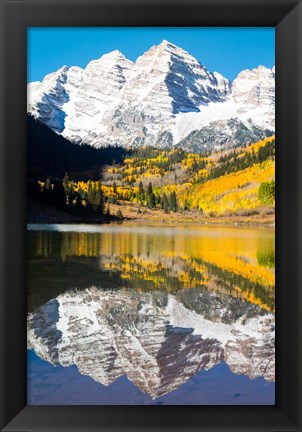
{"x": 58, "y": 385}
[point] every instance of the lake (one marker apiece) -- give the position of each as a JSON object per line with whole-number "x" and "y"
{"x": 151, "y": 314}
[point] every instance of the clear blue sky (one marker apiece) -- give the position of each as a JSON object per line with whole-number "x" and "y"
{"x": 225, "y": 50}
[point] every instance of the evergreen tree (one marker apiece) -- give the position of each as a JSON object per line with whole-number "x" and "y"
{"x": 165, "y": 203}
{"x": 173, "y": 202}
{"x": 151, "y": 200}
{"x": 98, "y": 202}
{"x": 141, "y": 188}
{"x": 141, "y": 193}
{"x": 254, "y": 157}
{"x": 149, "y": 189}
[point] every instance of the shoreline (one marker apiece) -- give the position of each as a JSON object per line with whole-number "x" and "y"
{"x": 42, "y": 214}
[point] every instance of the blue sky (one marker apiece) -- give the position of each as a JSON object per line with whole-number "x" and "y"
{"x": 225, "y": 50}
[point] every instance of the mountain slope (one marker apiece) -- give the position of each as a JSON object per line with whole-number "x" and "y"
{"x": 50, "y": 154}
{"x": 223, "y": 133}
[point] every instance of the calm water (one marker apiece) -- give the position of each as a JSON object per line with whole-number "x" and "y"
{"x": 125, "y": 314}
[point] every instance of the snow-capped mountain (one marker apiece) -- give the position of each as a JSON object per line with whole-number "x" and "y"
{"x": 159, "y": 100}
{"x": 153, "y": 338}
{"x": 72, "y": 101}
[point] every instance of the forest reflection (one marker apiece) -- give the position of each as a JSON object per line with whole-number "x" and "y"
{"x": 237, "y": 261}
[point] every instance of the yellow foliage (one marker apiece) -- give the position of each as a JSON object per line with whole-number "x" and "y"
{"x": 234, "y": 191}
{"x": 256, "y": 146}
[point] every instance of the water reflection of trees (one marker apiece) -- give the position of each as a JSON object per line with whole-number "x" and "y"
{"x": 147, "y": 262}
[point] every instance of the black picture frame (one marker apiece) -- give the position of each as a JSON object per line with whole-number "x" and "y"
{"x": 16, "y": 16}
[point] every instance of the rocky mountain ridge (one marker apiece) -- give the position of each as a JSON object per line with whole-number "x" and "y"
{"x": 161, "y": 100}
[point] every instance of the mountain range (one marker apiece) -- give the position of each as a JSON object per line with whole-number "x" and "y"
{"x": 165, "y": 98}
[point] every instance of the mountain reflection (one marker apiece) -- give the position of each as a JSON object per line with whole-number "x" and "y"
{"x": 156, "y": 308}
{"x": 157, "y": 339}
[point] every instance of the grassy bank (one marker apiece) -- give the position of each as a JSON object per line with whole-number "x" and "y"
{"x": 132, "y": 211}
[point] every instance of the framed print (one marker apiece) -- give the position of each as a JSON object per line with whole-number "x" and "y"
{"x": 139, "y": 248}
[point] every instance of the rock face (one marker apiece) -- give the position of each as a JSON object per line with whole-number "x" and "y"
{"x": 227, "y": 133}
{"x": 47, "y": 99}
{"x": 255, "y": 87}
{"x": 96, "y": 92}
{"x": 72, "y": 101}
{"x": 159, "y": 100}
{"x": 153, "y": 338}
{"x": 163, "y": 82}
{"x": 239, "y": 352}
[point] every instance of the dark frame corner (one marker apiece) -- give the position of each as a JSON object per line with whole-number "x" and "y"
{"x": 16, "y": 16}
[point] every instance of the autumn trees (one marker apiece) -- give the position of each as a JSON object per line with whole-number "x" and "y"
{"x": 170, "y": 180}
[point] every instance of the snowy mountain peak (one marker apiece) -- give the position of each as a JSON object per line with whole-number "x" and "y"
{"x": 169, "y": 47}
{"x": 262, "y": 68}
{"x": 59, "y": 76}
{"x": 158, "y": 100}
{"x": 110, "y": 60}
{"x": 166, "y": 43}
{"x": 114, "y": 54}
{"x": 63, "y": 69}
{"x": 255, "y": 87}
{"x": 260, "y": 71}
{"x": 173, "y": 53}
{"x": 74, "y": 69}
